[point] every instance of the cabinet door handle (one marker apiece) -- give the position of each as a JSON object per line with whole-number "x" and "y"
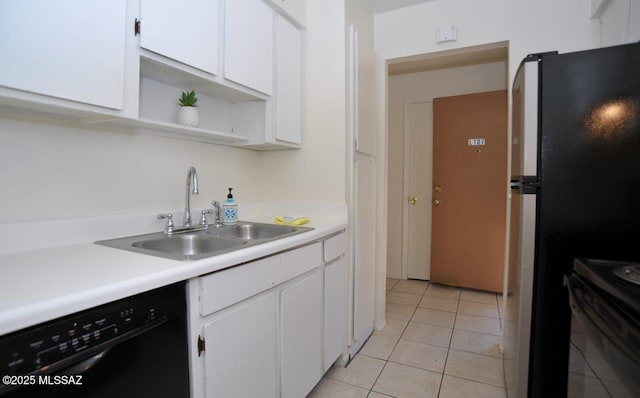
{"x": 200, "y": 345}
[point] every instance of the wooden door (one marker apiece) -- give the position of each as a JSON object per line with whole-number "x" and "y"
{"x": 419, "y": 147}
{"x": 469, "y": 190}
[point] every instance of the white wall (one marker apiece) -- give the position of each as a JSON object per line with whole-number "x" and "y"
{"x": 529, "y": 26}
{"x": 317, "y": 171}
{"x": 54, "y": 172}
{"x": 424, "y": 86}
{"x": 620, "y": 22}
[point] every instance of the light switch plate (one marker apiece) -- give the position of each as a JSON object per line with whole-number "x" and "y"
{"x": 446, "y": 34}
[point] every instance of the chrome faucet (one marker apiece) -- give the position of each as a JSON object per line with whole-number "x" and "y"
{"x": 192, "y": 180}
{"x": 216, "y": 206}
{"x": 192, "y": 187}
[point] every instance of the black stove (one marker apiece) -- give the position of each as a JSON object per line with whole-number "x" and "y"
{"x": 618, "y": 281}
{"x": 604, "y": 297}
{"x": 629, "y": 273}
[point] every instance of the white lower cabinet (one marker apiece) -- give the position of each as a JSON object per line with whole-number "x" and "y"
{"x": 335, "y": 311}
{"x": 240, "y": 352}
{"x": 301, "y": 336}
{"x": 269, "y": 327}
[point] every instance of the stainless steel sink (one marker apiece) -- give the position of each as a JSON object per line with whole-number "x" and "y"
{"x": 253, "y": 231}
{"x": 188, "y": 245}
{"x": 202, "y": 244}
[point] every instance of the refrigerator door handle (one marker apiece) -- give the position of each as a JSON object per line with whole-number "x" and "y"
{"x": 526, "y": 184}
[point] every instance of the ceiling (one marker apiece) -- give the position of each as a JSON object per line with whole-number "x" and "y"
{"x": 450, "y": 58}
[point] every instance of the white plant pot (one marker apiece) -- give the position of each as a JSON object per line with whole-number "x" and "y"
{"x": 188, "y": 116}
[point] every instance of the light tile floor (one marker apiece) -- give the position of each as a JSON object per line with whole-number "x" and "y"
{"x": 438, "y": 342}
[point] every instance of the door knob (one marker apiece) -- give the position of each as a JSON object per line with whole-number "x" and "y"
{"x": 436, "y": 202}
{"x": 437, "y": 188}
{"x": 413, "y": 201}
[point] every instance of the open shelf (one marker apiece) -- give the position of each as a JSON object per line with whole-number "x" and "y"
{"x": 177, "y": 74}
{"x": 155, "y": 127}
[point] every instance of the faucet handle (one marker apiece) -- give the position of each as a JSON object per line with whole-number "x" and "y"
{"x": 216, "y": 205}
{"x": 169, "y": 226}
{"x": 203, "y": 219}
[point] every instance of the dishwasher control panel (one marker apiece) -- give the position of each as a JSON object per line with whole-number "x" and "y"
{"x": 54, "y": 345}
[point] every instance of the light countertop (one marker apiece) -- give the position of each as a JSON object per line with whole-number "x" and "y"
{"x": 46, "y": 283}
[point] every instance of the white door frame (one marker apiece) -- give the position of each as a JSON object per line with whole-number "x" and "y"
{"x": 405, "y": 174}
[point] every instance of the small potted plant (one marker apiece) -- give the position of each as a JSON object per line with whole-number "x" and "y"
{"x": 188, "y": 113}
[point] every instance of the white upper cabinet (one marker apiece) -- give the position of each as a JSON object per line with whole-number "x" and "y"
{"x": 248, "y": 43}
{"x": 288, "y": 82}
{"x": 186, "y": 31}
{"x": 74, "y": 50}
{"x": 294, "y": 9}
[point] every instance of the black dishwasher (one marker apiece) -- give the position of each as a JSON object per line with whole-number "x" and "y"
{"x": 133, "y": 347}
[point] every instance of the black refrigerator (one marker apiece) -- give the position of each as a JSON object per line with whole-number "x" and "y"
{"x": 575, "y": 193}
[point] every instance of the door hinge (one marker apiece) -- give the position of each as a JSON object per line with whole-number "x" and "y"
{"x": 200, "y": 345}
{"x": 136, "y": 27}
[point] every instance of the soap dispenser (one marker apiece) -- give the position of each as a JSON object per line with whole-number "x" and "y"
{"x": 229, "y": 210}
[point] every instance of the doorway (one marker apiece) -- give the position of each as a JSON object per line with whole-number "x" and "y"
{"x": 413, "y": 84}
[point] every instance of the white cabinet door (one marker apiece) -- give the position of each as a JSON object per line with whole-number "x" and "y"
{"x": 288, "y": 82}
{"x": 365, "y": 256}
{"x": 240, "y": 353}
{"x": 335, "y": 311}
{"x": 73, "y": 50}
{"x": 296, "y": 9}
{"x": 248, "y": 44}
{"x": 301, "y": 336}
{"x": 186, "y": 31}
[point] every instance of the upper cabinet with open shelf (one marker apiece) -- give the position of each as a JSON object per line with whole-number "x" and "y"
{"x": 238, "y": 62}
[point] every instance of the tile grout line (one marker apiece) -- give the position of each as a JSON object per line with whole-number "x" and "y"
{"x": 444, "y": 368}
{"x": 386, "y": 361}
{"x": 459, "y": 299}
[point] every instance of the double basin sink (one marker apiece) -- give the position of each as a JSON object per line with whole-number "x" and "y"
{"x": 205, "y": 243}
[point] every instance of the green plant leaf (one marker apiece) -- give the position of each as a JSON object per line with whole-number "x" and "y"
{"x": 188, "y": 98}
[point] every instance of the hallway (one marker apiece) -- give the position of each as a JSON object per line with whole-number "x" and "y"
{"x": 438, "y": 342}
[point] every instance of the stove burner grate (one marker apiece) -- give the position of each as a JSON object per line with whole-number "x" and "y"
{"x": 629, "y": 273}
